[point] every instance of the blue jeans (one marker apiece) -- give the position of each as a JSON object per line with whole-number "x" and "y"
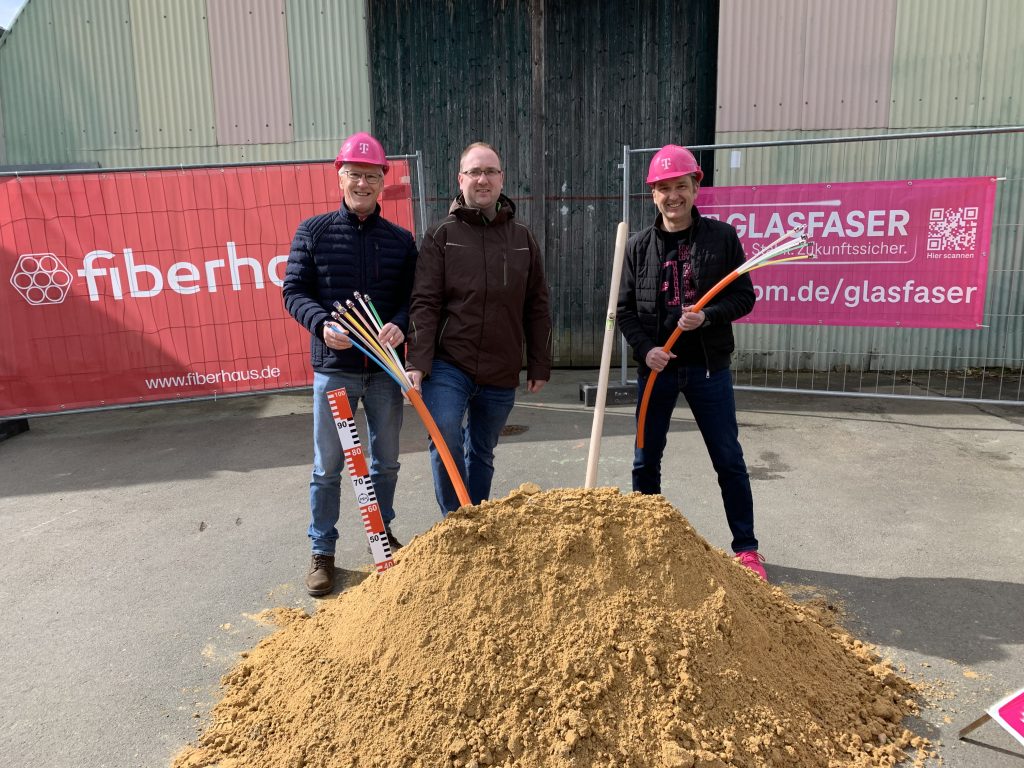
{"x": 470, "y": 418}
{"x": 382, "y": 400}
{"x": 713, "y": 406}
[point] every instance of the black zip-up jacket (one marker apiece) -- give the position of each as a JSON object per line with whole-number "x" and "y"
{"x": 715, "y": 251}
{"x": 332, "y": 256}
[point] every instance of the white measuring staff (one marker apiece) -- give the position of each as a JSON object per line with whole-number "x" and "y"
{"x": 359, "y": 474}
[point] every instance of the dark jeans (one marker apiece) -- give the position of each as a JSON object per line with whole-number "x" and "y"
{"x": 713, "y": 406}
{"x": 470, "y": 418}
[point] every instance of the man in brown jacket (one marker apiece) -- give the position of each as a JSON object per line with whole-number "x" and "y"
{"x": 478, "y": 295}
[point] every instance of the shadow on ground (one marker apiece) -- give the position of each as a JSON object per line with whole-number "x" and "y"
{"x": 967, "y": 621}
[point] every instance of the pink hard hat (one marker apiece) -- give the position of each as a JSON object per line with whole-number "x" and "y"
{"x": 672, "y": 161}
{"x": 361, "y": 148}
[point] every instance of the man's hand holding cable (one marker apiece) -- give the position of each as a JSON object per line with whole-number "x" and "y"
{"x": 657, "y": 359}
{"x": 415, "y": 378}
{"x": 391, "y": 334}
{"x": 336, "y": 337}
{"x": 691, "y": 320}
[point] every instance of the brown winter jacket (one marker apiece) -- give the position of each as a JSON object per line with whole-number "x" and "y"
{"x": 478, "y": 295}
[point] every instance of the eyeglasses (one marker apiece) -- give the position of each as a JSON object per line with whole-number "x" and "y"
{"x": 373, "y": 179}
{"x": 476, "y": 173}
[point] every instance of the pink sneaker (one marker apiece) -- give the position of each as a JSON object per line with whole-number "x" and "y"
{"x": 753, "y": 560}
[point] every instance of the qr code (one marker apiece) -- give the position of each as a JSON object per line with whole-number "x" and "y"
{"x": 952, "y": 229}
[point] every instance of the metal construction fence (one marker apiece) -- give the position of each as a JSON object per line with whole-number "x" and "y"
{"x": 131, "y": 286}
{"x": 984, "y": 363}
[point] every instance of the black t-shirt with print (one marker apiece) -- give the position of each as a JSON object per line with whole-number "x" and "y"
{"x": 677, "y": 288}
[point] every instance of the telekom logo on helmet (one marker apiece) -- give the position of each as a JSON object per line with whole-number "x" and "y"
{"x": 666, "y": 163}
{"x": 364, "y": 148}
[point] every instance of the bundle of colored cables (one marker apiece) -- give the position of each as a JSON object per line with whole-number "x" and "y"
{"x": 363, "y": 324}
{"x": 777, "y": 252}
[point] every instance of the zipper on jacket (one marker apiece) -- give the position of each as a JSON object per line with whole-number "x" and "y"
{"x": 696, "y": 266}
{"x": 363, "y": 277}
{"x": 480, "y": 344}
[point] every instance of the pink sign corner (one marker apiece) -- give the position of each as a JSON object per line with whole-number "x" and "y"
{"x": 1009, "y": 713}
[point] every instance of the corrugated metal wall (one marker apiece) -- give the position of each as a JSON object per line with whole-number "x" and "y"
{"x": 249, "y": 64}
{"x": 3, "y": 142}
{"x": 172, "y": 67}
{"x": 97, "y": 75}
{"x": 130, "y": 83}
{"x": 934, "y": 65}
{"x": 1001, "y": 101}
{"x": 557, "y": 87}
{"x": 329, "y": 65}
{"x": 37, "y": 126}
{"x": 795, "y": 64}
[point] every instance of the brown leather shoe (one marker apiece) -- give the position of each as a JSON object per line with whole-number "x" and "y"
{"x": 394, "y": 543}
{"x": 320, "y": 580}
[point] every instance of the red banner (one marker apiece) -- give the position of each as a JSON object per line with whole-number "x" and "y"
{"x": 147, "y": 286}
{"x": 886, "y": 253}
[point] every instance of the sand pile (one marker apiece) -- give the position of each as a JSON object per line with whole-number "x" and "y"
{"x": 569, "y": 628}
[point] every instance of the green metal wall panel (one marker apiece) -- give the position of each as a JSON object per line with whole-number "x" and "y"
{"x": 3, "y": 142}
{"x": 36, "y": 124}
{"x": 957, "y": 62}
{"x": 93, "y": 47}
{"x": 329, "y": 67}
{"x": 1001, "y": 100}
{"x": 809, "y": 163}
{"x": 171, "y": 54}
{"x": 937, "y": 63}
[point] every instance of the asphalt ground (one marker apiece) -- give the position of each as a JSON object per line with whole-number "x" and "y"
{"x": 139, "y": 545}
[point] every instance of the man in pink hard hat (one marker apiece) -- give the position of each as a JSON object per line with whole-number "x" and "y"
{"x": 333, "y": 255}
{"x": 668, "y": 267}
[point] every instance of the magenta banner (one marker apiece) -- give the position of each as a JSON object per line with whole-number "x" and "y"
{"x": 886, "y": 253}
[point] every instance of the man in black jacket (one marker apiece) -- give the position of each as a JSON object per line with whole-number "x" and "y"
{"x": 668, "y": 267}
{"x": 332, "y": 256}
